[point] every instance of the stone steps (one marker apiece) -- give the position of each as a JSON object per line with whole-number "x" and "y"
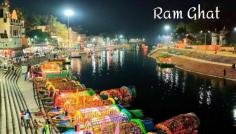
{"x": 12, "y": 102}
{"x": 204, "y": 68}
{"x": 3, "y": 107}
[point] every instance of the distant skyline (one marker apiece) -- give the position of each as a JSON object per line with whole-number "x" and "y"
{"x": 133, "y": 18}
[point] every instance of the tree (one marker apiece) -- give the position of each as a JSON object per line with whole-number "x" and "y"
{"x": 54, "y": 27}
{"x": 180, "y": 31}
{"x": 38, "y": 35}
{"x": 59, "y": 29}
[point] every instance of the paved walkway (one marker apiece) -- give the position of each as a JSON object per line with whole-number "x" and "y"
{"x": 221, "y": 53}
{"x": 205, "y": 67}
{"x": 203, "y": 61}
{"x": 26, "y": 87}
{"x": 210, "y": 68}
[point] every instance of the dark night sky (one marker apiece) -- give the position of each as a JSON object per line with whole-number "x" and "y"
{"x": 131, "y": 17}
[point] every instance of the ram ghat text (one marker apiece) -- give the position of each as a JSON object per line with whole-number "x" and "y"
{"x": 194, "y": 13}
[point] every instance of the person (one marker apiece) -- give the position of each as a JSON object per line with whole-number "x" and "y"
{"x": 36, "y": 125}
{"x": 66, "y": 113}
{"x": 29, "y": 68}
{"x": 26, "y": 74}
{"x": 77, "y": 128}
{"x": 22, "y": 117}
{"x": 47, "y": 129}
{"x": 234, "y": 66}
{"x": 224, "y": 73}
{"x": 27, "y": 117}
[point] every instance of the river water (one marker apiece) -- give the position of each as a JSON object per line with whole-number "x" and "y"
{"x": 162, "y": 93}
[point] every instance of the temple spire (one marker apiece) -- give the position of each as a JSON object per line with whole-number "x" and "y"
{"x": 5, "y": 3}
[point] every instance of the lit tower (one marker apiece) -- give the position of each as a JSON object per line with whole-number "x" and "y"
{"x": 5, "y": 8}
{"x": 11, "y": 31}
{"x": 5, "y": 15}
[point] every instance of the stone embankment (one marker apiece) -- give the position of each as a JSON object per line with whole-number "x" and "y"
{"x": 201, "y": 65}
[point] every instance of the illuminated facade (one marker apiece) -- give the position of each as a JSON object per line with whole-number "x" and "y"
{"x": 11, "y": 31}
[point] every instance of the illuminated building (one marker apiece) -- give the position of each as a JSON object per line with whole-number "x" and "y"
{"x": 11, "y": 31}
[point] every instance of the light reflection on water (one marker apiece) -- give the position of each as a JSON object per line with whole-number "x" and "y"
{"x": 205, "y": 95}
{"x": 110, "y": 59}
{"x": 162, "y": 93}
{"x": 170, "y": 75}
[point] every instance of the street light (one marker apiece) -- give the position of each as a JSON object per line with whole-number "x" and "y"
{"x": 234, "y": 29}
{"x": 205, "y": 35}
{"x": 35, "y": 39}
{"x": 121, "y": 36}
{"x": 68, "y": 13}
{"x": 94, "y": 39}
{"x": 167, "y": 27}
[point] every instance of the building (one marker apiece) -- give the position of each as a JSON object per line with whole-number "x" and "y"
{"x": 95, "y": 41}
{"x": 73, "y": 38}
{"x": 11, "y": 32}
{"x": 43, "y": 28}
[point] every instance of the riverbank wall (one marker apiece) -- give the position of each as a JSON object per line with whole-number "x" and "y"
{"x": 200, "y": 66}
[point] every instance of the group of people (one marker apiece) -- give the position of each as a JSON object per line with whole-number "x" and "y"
{"x": 47, "y": 127}
{"x": 25, "y": 121}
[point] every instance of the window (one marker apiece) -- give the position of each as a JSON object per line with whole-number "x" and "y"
{"x": 1, "y": 13}
{"x": 5, "y": 20}
{"x": 15, "y": 33}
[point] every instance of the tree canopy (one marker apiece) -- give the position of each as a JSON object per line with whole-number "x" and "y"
{"x": 38, "y": 35}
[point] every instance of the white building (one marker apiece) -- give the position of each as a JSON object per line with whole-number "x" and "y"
{"x": 11, "y": 31}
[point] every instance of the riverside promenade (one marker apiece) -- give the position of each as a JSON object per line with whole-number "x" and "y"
{"x": 16, "y": 95}
{"x": 201, "y": 66}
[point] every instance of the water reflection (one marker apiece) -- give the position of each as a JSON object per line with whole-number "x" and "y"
{"x": 112, "y": 60}
{"x": 161, "y": 92}
{"x": 234, "y": 115}
{"x": 168, "y": 75}
{"x": 76, "y": 66}
{"x": 205, "y": 95}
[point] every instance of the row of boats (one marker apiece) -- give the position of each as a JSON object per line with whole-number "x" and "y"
{"x": 74, "y": 108}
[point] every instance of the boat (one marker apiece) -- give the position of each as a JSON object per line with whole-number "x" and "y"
{"x": 164, "y": 61}
{"x": 165, "y": 65}
{"x": 183, "y": 124}
{"x": 75, "y": 55}
{"x": 67, "y": 61}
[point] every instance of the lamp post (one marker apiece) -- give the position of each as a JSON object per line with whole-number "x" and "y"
{"x": 167, "y": 29}
{"x": 234, "y": 29}
{"x": 121, "y": 37}
{"x": 208, "y": 32}
{"x": 68, "y": 13}
{"x": 35, "y": 39}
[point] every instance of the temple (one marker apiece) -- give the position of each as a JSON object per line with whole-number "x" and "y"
{"x": 11, "y": 31}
